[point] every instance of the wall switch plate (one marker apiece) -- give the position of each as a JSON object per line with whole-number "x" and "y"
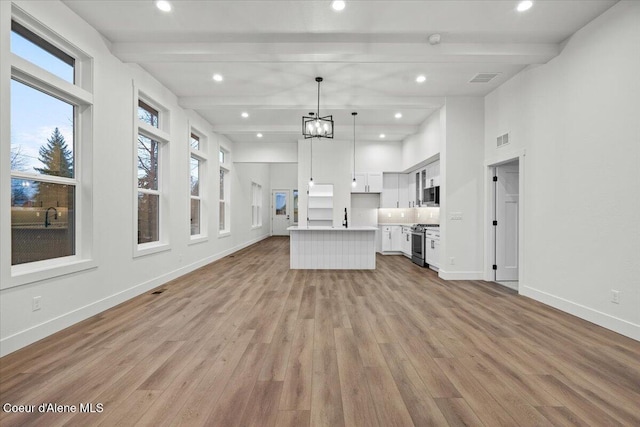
{"x": 401, "y": 214}
{"x": 35, "y": 304}
{"x": 615, "y": 296}
{"x": 455, "y": 216}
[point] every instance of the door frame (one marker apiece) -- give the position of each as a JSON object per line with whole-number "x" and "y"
{"x": 489, "y": 236}
{"x": 289, "y": 206}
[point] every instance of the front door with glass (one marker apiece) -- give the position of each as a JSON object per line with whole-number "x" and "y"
{"x": 280, "y": 213}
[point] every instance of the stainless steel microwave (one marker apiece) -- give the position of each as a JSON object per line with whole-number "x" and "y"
{"x": 431, "y": 196}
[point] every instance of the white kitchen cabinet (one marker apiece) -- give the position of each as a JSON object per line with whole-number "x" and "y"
{"x": 403, "y": 194}
{"x": 389, "y": 196}
{"x": 432, "y": 175}
{"x": 436, "y": 254}
{"x": 411, "y": 190}
{"x": 391, "y": 238}
{"x": 417, "y": 179}
{"x": 368, "y": 182}
{"x": 394, "y": 191}
{"x": 432, "y": 248}
{"x": 396, "y": 238}
{"x": 406, "y": 240}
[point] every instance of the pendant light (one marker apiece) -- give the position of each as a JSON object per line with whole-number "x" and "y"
{"x": 314, "y": 126}
{"x": 354, "y": 182}
{"x": 311, "y": 162}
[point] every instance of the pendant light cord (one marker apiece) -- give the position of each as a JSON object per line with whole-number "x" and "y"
{"x": 354, "y": 114}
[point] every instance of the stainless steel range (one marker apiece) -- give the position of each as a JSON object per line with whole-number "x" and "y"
{"x": 418, "y": 243}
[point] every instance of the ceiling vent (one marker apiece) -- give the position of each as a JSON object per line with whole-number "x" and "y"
{"x": 503, "y": 139}
{"x": 484, "y": 77}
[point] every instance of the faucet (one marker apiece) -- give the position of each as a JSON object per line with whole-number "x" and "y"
{"x": 345, "y": 222}
{"x": 46, "y": 216}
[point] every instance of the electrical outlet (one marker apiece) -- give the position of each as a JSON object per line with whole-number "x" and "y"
{"x": 615, "y": 296}
{"x": 455, "y": 216}
{"x": 452, "y": 261}
{"x": 35, "y": 304}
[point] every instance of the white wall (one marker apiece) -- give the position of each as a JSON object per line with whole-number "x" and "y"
{"x": 332, "y": 164}
{"x": 272, "y": 152}
{"x": 376, "y": 156}
{"x": 68, "y": 299}
{"x": 577, "y": 118}
{"x": 424, "y": 144}
{"x": 462, "y": 189}
{"x": 284, "y": 175}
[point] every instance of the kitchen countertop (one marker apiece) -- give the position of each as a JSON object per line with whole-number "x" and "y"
{"x": 326, "y": 228}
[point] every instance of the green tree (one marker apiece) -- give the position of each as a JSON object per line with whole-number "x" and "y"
{"x": 56, "y": 157}
{"x": 57, "y": 160}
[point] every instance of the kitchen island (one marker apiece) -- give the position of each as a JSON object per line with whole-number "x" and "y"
{"x": 329, "y": 248}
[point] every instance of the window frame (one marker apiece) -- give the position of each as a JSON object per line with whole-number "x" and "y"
{"x": 256, "y": 205}
{"x": 201, "y": 155}
{"x": 161, "y": 135}
{"x": 225, "y": 167}
{"x": 79, "y": 94}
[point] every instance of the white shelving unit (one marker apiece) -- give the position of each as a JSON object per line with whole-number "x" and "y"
{"x": 320, "y": 206}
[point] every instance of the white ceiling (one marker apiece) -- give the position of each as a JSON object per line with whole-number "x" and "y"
{"x": 369, "y": 55}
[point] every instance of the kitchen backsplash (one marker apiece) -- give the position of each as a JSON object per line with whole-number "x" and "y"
{"x": 409, "y": 216}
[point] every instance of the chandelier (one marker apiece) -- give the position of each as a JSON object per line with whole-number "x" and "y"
{"x": 314, "y": 126}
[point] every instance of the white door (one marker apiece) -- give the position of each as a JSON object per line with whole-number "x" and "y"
{"x": 506, "y": 237}
{"x": 280, "y": 213}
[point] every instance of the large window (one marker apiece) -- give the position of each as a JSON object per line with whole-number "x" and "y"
{"x": 256, "y": 205}
{"x": 46, "y": 115}
{"x": 197, "y": 182}
{"x": 150, "y": 152}
{"x": 225, "y": 187}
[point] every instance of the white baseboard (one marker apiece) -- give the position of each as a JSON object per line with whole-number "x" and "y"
{"x": 511, "y": 285}
{"x": 615, "y": 324}
{"x": 35, "y": 333}
{"x": 460, "y": 275}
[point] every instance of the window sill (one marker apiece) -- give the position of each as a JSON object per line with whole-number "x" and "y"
{"x": 150, "y": 248}
{"x": 198, "y": 238}
{"x": 43, "y": 270}
{"x": 222, "y": 234}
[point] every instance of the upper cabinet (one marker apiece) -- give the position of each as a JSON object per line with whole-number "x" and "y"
{"x": 394, "y": 191}
{"x": 368, "y": 183}
{"x": 419, "y": 179}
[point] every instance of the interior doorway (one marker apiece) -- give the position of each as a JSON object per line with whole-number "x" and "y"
{"x": 281, "y": 211}
{"x": 506, "y": 210}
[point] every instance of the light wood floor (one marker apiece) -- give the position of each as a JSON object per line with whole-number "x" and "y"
{"x": 247, "y": 342}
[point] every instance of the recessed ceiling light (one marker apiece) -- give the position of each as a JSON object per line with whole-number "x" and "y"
{"x": 421, "y": 78}
{"x": 398, "y": 115}
{"x": 338, "y": 5}
{"x": 382, "y": 136}
{"x": 524, "y": 5}
{"x": 259, "y": 135}
{"x": 218, "y": 77}
{"x": 163, "y": 5}
{"x": 244, "y": 114}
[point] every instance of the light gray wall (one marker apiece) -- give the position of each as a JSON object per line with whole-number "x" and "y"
{"x": 462, "y": 189}
{"x": 68, "y": 299}
{"x": 577, "y": 119}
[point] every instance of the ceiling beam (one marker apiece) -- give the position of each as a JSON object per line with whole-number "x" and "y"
{"x": 282, "y": 103}
{"x": 499, "y": 53}
{"x": 297, "y": 129}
